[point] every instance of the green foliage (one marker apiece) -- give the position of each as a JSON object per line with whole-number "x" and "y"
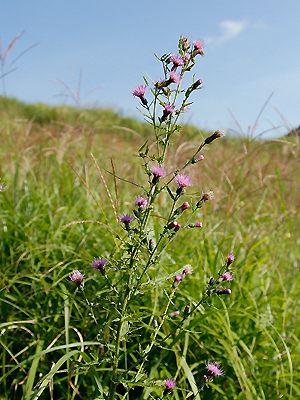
{"x": 47, "y": 332}
{"x": 42, "y": 115}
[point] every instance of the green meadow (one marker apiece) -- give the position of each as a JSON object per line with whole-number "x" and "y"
{"x": 57, "y": 214}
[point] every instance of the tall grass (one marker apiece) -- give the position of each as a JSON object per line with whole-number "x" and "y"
{"x": 43, "y": 329}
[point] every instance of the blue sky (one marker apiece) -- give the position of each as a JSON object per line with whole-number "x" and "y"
{"x": 252, "y": 50}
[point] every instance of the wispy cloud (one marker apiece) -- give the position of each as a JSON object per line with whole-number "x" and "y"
{"x": 229, "y": 30}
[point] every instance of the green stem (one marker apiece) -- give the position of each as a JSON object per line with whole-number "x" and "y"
{"x": 114, "y": 384}
{"x": 90, "y": 307}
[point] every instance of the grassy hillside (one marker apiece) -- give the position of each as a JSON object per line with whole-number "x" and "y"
{"x": 254, "y": 332}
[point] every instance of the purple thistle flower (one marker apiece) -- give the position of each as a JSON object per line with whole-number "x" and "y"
{"x": 176, "y": 60}
{"x": 169, "y": 385}
{"x": 99, "y": 264}
{"x": 230, "y": 259}
{"x": 227, "y": 276}
{"x": 198, "y": 47}
{"x": 174, "y": 77}
{"x": 158, "y": 172}
{"x": 214, "y": 368}
{"x": 77, "y": 277}
{"x": 168, "y": 109}
{"x": 183, "y": 180}
{"x": 141, "y": 202}
{"x": 126, "y": 219}
{"x": 139, "y": 91}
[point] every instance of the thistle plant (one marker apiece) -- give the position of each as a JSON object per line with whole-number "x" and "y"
{"x": 128, "y": 335}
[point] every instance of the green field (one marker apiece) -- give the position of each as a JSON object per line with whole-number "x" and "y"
{"x": 53, "y": 181}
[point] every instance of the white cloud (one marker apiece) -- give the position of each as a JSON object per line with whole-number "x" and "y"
{"x": 229, "y": 30}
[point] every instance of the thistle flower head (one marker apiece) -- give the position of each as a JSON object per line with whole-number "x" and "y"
{"x": 139, "y": 91}
{"x": 176, "y": 60}
{"x": 198, "y": 47}
{"x": 169, "y": 385}
{"x": 227, "y": 276}
{"x": 99, "y": 264}
{"x": 183, "y": 180}
{"x": 141, "y": 202}
{"x": 214, "y": 368}
{"x": 174, "y": 77}
{"x": 77, "y": 277}
{"x": 126, "y": 219}
{"x": 158, "y": 171}
{"x": 168, "y": 109}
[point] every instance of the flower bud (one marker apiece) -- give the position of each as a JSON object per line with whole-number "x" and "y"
{"x": 173, "y": 314}
{"x": 151, "y": 245}
{"x": 217, "y": 134}
{"x": 205, "y": 197}
{"x": 220, "y": 291}
{"x": 174, "y": 225}
{"x": 182, "y": 208}
{"x": 230, "y": 259}
{"x": 177, "y": 279}
{"x": 186, "y": 310}
{"x": 196, "y": 225}
{"x": 197, "y": 84}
